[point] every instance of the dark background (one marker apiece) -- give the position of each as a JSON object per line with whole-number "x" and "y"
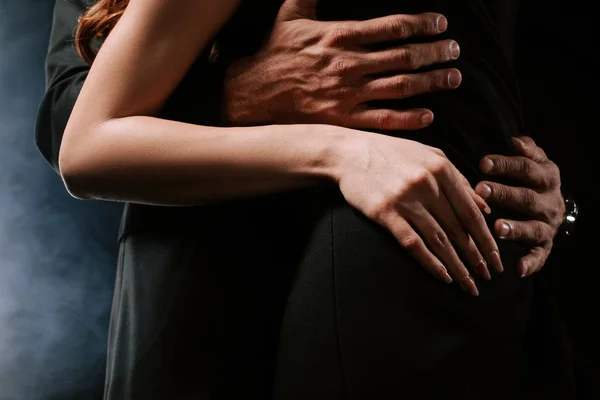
{"x": 57, "y": 254}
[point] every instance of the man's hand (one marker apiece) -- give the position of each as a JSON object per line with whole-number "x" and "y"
{"x": 540, "y": 197}
{"x": 313, "y": 71}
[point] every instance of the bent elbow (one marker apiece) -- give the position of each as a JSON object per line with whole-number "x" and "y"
{"x": 74, "y": 171}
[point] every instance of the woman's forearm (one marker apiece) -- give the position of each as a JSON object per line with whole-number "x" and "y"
{"x": 154, "y": 161}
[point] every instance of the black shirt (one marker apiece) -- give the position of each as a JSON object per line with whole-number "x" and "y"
{"x": 296, "y": 292}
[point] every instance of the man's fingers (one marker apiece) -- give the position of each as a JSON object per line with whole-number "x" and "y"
{"x": 524, "y": 200}
{"x": 404, "y": 86}
{"x": 409, "y": 57}
{"x": 365, "y": 117}
{"x": 529, "y": 232}
{"x": 526, "y": 146}
{"x": 398, "y": 27}
{"x": 523, "y": 169}
{"x": 298, "y": 9}
{"x": 533, "y": 262}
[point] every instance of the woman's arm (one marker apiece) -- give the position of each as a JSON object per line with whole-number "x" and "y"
{"x": 113, "y": 147}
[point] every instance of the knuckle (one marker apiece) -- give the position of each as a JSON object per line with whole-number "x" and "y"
{"x": 554, "y": 175}
{"x": 526, "y": 166}
{"x": 529, "y": 200}
{"x": 473, "y": 213}
{"x": 440, "y": 240}
{"x": 342, "y": 66}
{"x": 410, "y": 242}
{"x": 501, "y": 164}
{"x": 384, "y": 120}
{"x": 377, "y": 208}
{"x": 440, "y": 166}
{"x": 552, "y": 214}
{"x": 439, "y": 152}
{"x": 428, "y": 22}
{"x": 407, "y": 58}
{"x": 438, "y": 80}
{"x": 443, "y": 50}
{"x": 402, "y": 86}
{"x": 539, "y": 233}
{"x": 422, "y": 179}
{"x": 399, "y": 28}
{"x": 516, "y": 231}
{"x": 499, "y": 193}
{"x": 342, "y": 93}
{"x": 338, "y": 34}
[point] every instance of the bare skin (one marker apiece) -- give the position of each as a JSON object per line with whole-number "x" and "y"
{"x": 319, "y": 72}
{"x": 114, "y": 148}
{"x": 539, "y": 197}
{"x": 322, "y": 72}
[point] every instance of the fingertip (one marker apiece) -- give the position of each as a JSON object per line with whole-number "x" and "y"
{"x": 523, "y": 269}
{"x": 441, "y": 23}
{"x": 426, "y": 118}
{"x": 469, "y": 286}
{"x": 497, "y": 261}
{"x": 484, "y": 190}
{"x": 486, "y": 165}
{"x": 483, "y": 270}
{"x": 442, "y": 274}
{"x": 454, "y": 78}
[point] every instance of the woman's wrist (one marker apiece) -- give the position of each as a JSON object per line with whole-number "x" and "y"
{"x": 337, "y": 147}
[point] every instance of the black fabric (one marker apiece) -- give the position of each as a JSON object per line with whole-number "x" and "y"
{"x": 297, "y": 295}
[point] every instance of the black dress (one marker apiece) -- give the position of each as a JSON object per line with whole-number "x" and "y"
{"x": 297, "y": 295}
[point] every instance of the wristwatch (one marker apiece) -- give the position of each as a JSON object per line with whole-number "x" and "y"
{"x": 567, "y": 228}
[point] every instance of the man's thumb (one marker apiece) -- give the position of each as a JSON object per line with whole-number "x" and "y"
{"x": 298, "y": 9}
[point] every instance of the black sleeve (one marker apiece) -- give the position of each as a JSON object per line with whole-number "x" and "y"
{"x": 65, "y": 74}
{"x": 196, "y": 100}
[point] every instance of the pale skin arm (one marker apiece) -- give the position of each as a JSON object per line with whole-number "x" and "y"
{"x": 114, "y": 148}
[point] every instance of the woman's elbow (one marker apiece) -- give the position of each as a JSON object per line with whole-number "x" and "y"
{"x": 74, "y": 170}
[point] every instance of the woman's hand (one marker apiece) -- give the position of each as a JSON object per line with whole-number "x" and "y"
{"x": 324, "y": 72}
{"x": 415, "y": 192}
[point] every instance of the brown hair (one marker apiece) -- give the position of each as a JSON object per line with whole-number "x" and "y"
{"x": 96, "y": 23}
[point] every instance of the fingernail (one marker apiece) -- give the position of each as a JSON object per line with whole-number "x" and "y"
{"x": 518, "y": 141}
{"x": 443, "y": 275}
{"x": 442, "y": 24}
{"x": 486, "y": 192}
{"x": 497, "y": 261}
{"x": 482, "y": 268}
{"x": 426, "y": 118}
{"x": 524, "y": 270}
{"x": 468, "y": 285}
{"x": 504, "y": 230}
{"x": 454, "y": 79}
{"x": 487, "y": 209}
{"x": 487, "y": 165}
{"x": 454, "y": 50}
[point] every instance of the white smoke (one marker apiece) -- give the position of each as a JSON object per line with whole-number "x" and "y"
{"x": 57, "y": 254}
